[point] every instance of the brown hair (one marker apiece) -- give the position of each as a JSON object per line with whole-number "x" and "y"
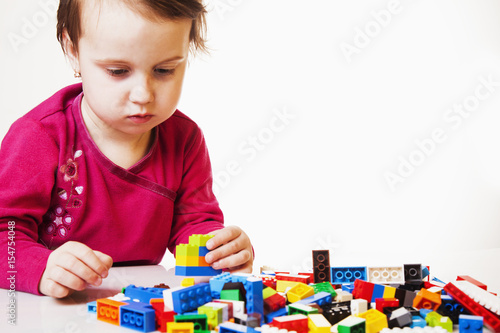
{"x": 69, "y": 18}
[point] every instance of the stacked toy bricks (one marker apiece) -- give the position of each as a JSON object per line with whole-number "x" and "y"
{"x": 190, "y": 258}
{"x": 328, "y": 299}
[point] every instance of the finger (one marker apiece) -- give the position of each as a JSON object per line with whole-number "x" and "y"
{"x": 233, "y": 261}
{"x": 58, "y": 278}
{"x": 69, "y": 268}
{"x": 245, "y": 268}
{"x": 225, "y": 250}
{"x": 53, "y": 289}
{"x": 105, "y": 259}
{"x": 87, "y": 256}
{"x": 223, "y": 236}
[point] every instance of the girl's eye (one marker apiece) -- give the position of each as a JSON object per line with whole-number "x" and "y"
{"x": 164, "y": 71}
{"x": 116, "y": 72}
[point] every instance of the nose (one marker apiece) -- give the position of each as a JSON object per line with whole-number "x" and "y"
{"x": 142, "y": 92}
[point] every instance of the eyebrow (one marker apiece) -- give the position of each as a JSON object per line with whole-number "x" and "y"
{"x": 119, "y": 61}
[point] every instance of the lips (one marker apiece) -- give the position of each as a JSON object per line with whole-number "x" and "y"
{"x": 140, "y": 119}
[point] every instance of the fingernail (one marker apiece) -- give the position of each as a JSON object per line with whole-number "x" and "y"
{"x": 104, "y": 275}
{"x": 215, "y": 265}
{"x": 208, "y": 258}
{"x": 209, "y": 244}
{"x": 98, "y": 282}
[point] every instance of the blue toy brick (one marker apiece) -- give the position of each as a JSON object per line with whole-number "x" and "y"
{"x": 217, "y": 283}
{"x": 196, "y": 271}
{"x": 142, "y": 294}
{"x": 92, "y": 307}
{"x": 424, "y": 312}
{"x": 202, "y": 251}
{"x": 321, "y": 298}
{"x": 450, "y": 308}
{"x": 417, "y": 321}
{"x": 229, "y": 327}
{"x": 378, "y": 292}
{"x": 270, "y": 316}
{"x": 254, "y": 298}
{"x": 470, "y": 324}
{"x": 425, "y": 272}
{"x": 138, "y": 316}
{"x": 340, "y": 275}
{"x": 349, "y": 287}
{"x": 190, "y": 298}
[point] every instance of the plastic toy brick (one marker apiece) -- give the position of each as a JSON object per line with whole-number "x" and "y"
{"x": 413, "y": 272}
{"x": 427, "y": 300}
{"x": 217, "y": 283}
{"x": 199, "y": 321}
{"x": 321, "y": 265}
{"x": 196, "y": 271}
{"x": 378, "y": 292}
{"x": 406, "y": 297}
{"x": 267, "y": 292}
{"x": 375, "y": 320}
{"x": 229, "y": 327}
{"x": 363, "y": 289}
{"x": 335, "y": 312}
{"x": 381, "y": 303}
{"x": 202, "y": 251}
{"x": 342, "y": 296}
{"x": 490, "y": 320}
{"x": 274, "y": 303}
{"x": 108, "y": 310}
{"x": 187, "y": 282}
{"x": 180, "y": 327}
{"x": 120, "y": 297}
{"x": 320, "y": 298}
{"x": 359, "y": 306}
{"x": 92, "y": 307}
{"x": 143, "y": 294}
{"x": 188, "y": 250}
{"x": 163, "y": 315}
{"x": 269, "y": 281}
{"x": 270, "y": 316}
{"x": 352, "y": 324}
{"x": 400, "y": 318}
{"x": 324, "y": 286}
{"x": 235, "y": 308}
{"x": 470, "y": 324}
{"x": 199, "y": 240}
{"x": 253, "y": 287}
{"x": 317, "y": 323}
{"x": 434, "y": 319}
{"x": 481, "y": 296}
{"x": 349, "y": 287}
{"x": 187, "y": 299}
{"x": 229, "y": 308}
{"x": 450, "y": 308}
{"x": 291, "y": 277}
{"x": 186, "y": 260}
{"x": 389, "y": 292}
{"x": 297, "y": 308}
{"x": 214, "y": 315}
{"x": 425, "y": 329}
{"x": 299, "y": 292}
{"x": 298, "y": 323}
{"x": 473, "y": 281}
{"x": 393, "y": 274}
{"x": 341, "y": 275}
{"x": 417, "y": 321}
{"x": 138, "y": 316}
{"x": 234, "y": 291}
{"x": 281, "y": 285}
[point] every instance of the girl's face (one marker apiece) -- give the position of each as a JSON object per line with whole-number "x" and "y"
{"x": 132, "y": 68}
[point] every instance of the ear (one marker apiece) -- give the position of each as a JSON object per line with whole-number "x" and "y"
{"x": 71, "y": 52}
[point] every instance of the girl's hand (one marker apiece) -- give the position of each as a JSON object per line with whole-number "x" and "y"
{"x": 71, "y": 267}
{"x": 230, "y": 248}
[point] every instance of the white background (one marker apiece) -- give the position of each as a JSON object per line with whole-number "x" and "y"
{"x": 318, "y": 179}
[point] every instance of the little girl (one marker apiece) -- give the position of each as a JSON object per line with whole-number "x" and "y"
{"x": 108, "y": 170}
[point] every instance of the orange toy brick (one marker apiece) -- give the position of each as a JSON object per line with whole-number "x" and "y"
{"x": 427, "y": 300}
{"x": 108, "y": 310}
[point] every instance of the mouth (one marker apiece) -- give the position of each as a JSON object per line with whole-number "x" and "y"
{"x": 140, "y": 119}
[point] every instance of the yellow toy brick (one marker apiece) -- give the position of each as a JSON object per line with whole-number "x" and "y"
{"x": 188, "y": 250}
{"x": 299, "y": 292}
{"x": 186, "y": 261}
{"x": 317, "y": 323}
{"x": 214, "y": 315}
{"x": 268, "y": 292}
{"x": 199, "y": 240}
{"x": 282, "y": 285}
{"x": 187, "y": 282}
{"x": 185, "y": 327}
{"x": 389, "y": 292}
{"x": 375, "y": 320}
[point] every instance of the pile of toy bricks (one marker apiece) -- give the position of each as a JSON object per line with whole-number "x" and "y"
{"x": 328, "y": 299}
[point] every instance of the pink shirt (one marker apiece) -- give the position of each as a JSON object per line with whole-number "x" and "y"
{"x": 56, "y": 186}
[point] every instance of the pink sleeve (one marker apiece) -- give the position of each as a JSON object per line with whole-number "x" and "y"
{"x": 28, "y": 165}
{"x": 196, "y": 208}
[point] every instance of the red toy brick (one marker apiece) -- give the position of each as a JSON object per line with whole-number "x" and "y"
{"x": 297, "y": 322}
{"x": 363, "y": 290}
{"x": 381, "y": 303}
{"x": 473, "y": 281}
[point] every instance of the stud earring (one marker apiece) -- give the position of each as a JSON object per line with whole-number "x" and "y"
{"x": 78, "y": 75}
